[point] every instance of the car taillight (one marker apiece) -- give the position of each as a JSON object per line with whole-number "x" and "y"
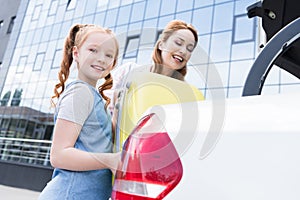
{"x": 150, "y": 166}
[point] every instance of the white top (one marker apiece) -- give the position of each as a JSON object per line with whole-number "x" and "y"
{"x": 120, "y": 75}
{"x": 75, "y": 103}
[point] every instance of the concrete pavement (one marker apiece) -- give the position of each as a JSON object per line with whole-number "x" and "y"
{"x": 11, "y": 193}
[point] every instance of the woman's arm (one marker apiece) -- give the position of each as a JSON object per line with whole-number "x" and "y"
{"x": 65, "y": 156}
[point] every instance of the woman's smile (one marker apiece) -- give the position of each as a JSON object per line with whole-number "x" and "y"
{"x": 178, "y": 58}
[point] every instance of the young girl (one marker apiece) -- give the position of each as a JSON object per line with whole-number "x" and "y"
{"x": 81, "y": 151}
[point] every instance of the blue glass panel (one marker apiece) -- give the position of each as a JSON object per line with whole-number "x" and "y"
{"x": 53, "y": 7}
{"x": 220, "y": 46}
{"x": 223, "y": 19}
{"x": 185, "y": 16}
{"x": 99, "y": 18}
{"x": 138, "y": 11}
{"x": 203, "y": 3}
{"x": 124, "y": 14}
{"x": 110, "y": 19}
{"x": 202, "y": 20}
{"x": 150, "y": 23}
{"x": 152, "y": 9}
{"x": 183, "y": 5}
{"x": 167, "y": 7}
{"x": 90, "y": 7}
{"x": 243, "y": 29}
{"x": 163, "y": 21}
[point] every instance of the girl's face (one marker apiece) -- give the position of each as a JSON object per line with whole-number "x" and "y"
{"x": 96, "y": 57}
{"x": 177, "y": 50}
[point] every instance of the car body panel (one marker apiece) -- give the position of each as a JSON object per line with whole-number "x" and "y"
{"x": 251, "y": 145}
{"x": 257, "y": 155}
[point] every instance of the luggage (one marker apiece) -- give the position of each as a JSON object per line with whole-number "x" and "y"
{"x": 144, "y": 90}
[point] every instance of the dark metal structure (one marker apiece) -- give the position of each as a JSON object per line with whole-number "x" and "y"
{"x": 25, "y": 143}
{"x": 281, "y": 23}
{"x": 27, "y": 176}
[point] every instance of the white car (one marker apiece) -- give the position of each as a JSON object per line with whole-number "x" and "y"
{"x": 243, "y": 148}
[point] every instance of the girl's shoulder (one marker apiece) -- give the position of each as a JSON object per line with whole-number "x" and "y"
{"x": 78, "y": 89}
{"x": 76, "y": 102}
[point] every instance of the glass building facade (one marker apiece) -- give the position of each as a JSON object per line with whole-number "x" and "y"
{"x": 228, "y": 44}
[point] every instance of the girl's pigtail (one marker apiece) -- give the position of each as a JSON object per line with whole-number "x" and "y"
{"x": 106, "y": 86}
{"x": 108, "y": 79}
{"x": 66, "y": 63}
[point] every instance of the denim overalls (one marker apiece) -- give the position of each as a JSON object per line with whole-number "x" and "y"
{"x": 95, "y": 136}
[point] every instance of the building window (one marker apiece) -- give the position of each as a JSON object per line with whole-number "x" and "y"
{"x": 39, "y": 60}
{"x": 1, "y": 24}
{"x": 53, "y": 8}
{"x": 21, "y": 64}
{"x": 71, "y": 4}
{"x": 132, "y": 46}
{"x": 36, "y": 12}
{"x": 4, "y": 126}
{"x": 243, "y": 29}
{"x": 17, "y": 97}
{"x": 5, "y": 99}
{"x": 29, "y": 129}
{"x": 20, "y": 128}
{"x": 158, "y": 33}
{"x": 102, "y": 5}
{"x": 11, "y": 24}
{"x": 57, "y": 59}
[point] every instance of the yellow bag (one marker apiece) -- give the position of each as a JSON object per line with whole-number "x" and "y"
{"x": 143, "y": 91}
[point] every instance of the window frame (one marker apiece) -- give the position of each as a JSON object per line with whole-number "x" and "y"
{"x": 11, "y": 24}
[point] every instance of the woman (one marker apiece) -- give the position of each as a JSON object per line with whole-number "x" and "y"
{"x": 170, "y": 55}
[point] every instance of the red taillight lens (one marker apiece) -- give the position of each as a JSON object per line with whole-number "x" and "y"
{"x": 150, "y": 167}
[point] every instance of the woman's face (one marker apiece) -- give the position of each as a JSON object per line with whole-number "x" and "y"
{"x": 178, "y": 48}
{"x": 95, "y": 57}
